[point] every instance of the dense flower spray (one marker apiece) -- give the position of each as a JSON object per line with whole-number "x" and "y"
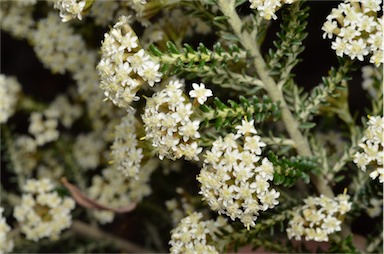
{"x": 318, "y": 218}
{"x": 358, "y": 30}
{"x": 372, "y": 145}
{"x": 42, "y": 212}
{"x": 125, "y": 66}
{"x": 235, "y": 178}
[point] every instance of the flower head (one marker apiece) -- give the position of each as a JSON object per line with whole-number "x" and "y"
{"x": 169, "y": 125}
{"x": 125, "y": 151}
{"x": 192, "y": 235}
{"x": 234, "y": 181}
{"x": 6, "y": 244}
{"x": 372, "y": 145}
{"x": 358, "y": 30}
{"x": 9, "y": 88}
{"x": 318, "y": 217}
{"x": 124, "y": 66}
{"x": 43, "y": 127}
{"x": 42, "y": 212}
{"x": 111, "y": 189}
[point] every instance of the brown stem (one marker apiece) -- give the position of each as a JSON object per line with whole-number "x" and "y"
{"x": 82, "y": 228}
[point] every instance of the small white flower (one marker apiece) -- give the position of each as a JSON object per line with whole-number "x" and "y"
{"x": 328, "y": 28}
{"x": 246, "y": 128}
{"x": 200, "y": 92}
{"x": 357, "y": 49}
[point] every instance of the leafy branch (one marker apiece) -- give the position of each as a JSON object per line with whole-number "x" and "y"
{"x": 290, "y": 43}
{"x": 223, "y": 115}
{"x": 320, "y": 94}
{"x": 175, "y": 61}
{"x": 288, "y": 171}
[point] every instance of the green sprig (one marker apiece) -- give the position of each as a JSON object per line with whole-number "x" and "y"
{"x": 174, "y": 60}
{"x": 227, "y": 115}
{"x": 289, "y": 171}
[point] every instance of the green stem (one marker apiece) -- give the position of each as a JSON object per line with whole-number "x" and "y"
{"x": 292, "y": 126}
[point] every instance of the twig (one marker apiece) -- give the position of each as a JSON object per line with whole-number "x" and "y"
{"x": 91, "y": 231}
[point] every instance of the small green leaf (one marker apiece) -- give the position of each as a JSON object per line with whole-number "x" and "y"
{"x": 155, "y": 51}
{"x": 189, "y": 48}
{"x": 219, "y": 104}
{"x": 219, "y": 123}
{"x": 230, "y": 37}
{"x": 307, "y": 125}
{"x": 338, "y": 178}
{"x": 220, "y": 18}
{"x": 171, "y": 47}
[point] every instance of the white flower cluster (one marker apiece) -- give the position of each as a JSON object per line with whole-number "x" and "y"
{"x": 234, "y": 181}
{"x": 16, "y": 17}
{"x": 61, "y": 50}
{"x": 50, "y": 166}
{"x": 103, "y": 12}
{"x": 318, "y": 217}
{"x": 358, "y": 30}
{"x": 124, "y": 67}
{"x": 372, "y": 81}
{"x": 70, "y": 9}
{"x": 44, "y": 130}
{"x": 268, "y": 8}
{"x": 23, "y": 155}
{"x": 372, "y": 144}
{"x": 42, "y": 212}
{"x": 112, "y": 190}
{"x": 168, "y": 124}
{"x": 56, "y": 45}
{"x": 193, "y": 235}
{"x": 66, "y": 111}
{"x": 9, "y": 88}
{"x": 6, "y": 244}
{"x": 125, "y": 151}
{"x": 87, "y": 150}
